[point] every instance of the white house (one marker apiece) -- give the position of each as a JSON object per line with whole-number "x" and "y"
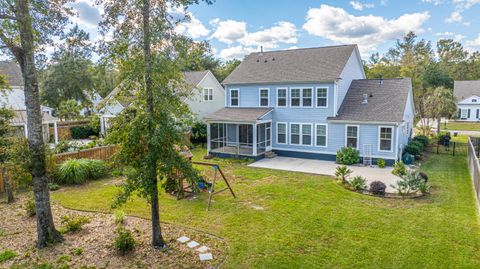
{"x": 467, "y": 93}
{"x": 14, "y": 98}
{"x": 207, "y": 96}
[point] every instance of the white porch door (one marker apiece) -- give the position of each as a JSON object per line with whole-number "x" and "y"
{"x": 268, "y": 136}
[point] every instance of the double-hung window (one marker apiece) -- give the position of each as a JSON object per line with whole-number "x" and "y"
{"x": 264, "y": 96}
{"x": 295, "y": 97}
{"x": 281, "y": 133}
{"x": 281, "y": 97}
{"x": 306, "y": 134}
{"x": 322, "y": 97}
{"x": 321, "y": 135}
{"x": 207, "y": 94}
{"x": 465, "y": 113}
{"x": 295, "y": 134}
{"x": 385, "y": 139}
{"x": 234, "y": 97}
{"x": 307, "y": 96}
{"x": 351, "y": 136}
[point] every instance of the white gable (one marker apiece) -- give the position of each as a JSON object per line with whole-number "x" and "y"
{"x": 472, "y": 100}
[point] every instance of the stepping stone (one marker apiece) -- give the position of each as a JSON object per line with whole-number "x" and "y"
{"x": 183, "y": 239}
{"x": 193, "y": 244}
{"x": 206, "y": 256}
{"x": 202, "y": 249}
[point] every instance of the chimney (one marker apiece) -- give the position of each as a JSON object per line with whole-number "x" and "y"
{"x": 261, "y": 49}
{"x": 365, "y": 99}
{"x": 381, "y": 79}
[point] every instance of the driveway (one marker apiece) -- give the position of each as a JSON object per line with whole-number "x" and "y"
{"x": 328, "y": 168}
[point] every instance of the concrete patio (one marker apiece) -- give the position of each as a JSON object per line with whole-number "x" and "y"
{"x": 328, "y": 168}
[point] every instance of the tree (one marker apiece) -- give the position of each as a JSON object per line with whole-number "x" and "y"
{"x": 69, "y": 109}
{"x": 434, "y": 76}
{"x": 225, "y": 69}
{"x": 144, "y": 44}
{"x": 69, "y": 76}
{"x": 26, "y": 27}
{"x": 439, "y": 102}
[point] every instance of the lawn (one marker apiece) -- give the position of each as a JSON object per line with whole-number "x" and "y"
{"x": 463, "y": 126}
{"x": 294, "y": 220}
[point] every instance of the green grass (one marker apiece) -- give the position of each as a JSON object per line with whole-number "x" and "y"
{"x": 311, "y": 221}
{"x": 7, "y": 255}
{"x": 463, "y": 126}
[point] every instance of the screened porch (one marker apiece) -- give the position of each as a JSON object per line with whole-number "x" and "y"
{"x": 239, "y": 139}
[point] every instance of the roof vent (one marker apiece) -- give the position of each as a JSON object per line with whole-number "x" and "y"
{"x": 273, "y": 59}
{"x": 365, "y": 99}
{"x": 266, "y": 60}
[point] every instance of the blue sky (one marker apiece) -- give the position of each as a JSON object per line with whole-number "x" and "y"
{"x": 235, "y": 28}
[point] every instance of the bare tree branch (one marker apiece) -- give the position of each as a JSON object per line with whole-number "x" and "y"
{"x": 8, "y": 17}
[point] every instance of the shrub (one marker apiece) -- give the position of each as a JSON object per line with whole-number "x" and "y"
{"x": 358, "y": 183}
{"x": 348, "y": 155}
{"x": 53, "y": 186}
{"x": 399, "y": 169}
{"x": 76, "y": 251}
{"x": 377, "y": 188}
{"x": 199, "y": 133}
{"x": 78, "y": 171}
{"x": 422, "y": 139}
{"x": 424, "y": 187}
{"x": 342, "y": 173}
{"x": 417, "y": 143}
{"x": 124, "y": 241}
{"x": 62, "y": 146}
{"x": 83, "y": 132}
{"x": 413, "y": 148}
{"x": 30, "y": 207}
{"x": 381, "y": 163}
{"x": 410, "y": 183}
{"x": 7, "y": 255}
{"x": 73, "y": 223}
{"x": 119, "y": 216}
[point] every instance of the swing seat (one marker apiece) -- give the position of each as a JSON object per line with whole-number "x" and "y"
{"x": 203, "y": 184}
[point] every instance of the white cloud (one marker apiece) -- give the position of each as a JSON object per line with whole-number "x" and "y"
{"x": 360, "y": 6}
{"x": 367, "y": 31}
{"x": 433, "y": 2}
{"x": 450, "y": 35}
{"x": 229, "y": 31}
{"x": 456, "y": 16}
{"x": 237, "y": 52}
{"x": 193, "y": 28}
{"x": 475, "y": 42}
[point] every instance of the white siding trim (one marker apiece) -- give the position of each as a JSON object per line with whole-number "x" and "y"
{"x": 391, "y": 140}
{"x": 358, "y": 135}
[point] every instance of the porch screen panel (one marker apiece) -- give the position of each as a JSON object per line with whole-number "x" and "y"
{"x": 261, "y": 145}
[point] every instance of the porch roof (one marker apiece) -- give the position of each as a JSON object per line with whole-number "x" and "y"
{"x": 228, "y": 114}
{"x": 20, "y": 118}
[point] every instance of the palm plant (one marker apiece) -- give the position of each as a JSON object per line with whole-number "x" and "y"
{"x": 342, "y": 173}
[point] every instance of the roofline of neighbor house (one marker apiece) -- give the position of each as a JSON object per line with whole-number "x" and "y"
{"x": 281, "y": 83}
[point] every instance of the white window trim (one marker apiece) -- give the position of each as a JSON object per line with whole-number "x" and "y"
{"x": 230, "y": 97}
{"x": 290, "y": 98}
{"x": 326, "y": 135}
{"x": 286, "y": 97}
{"x": 378, "y": 137}
{"x": 301, "y": 134}
{"x": 286, "y": 133}
{"x": 461, "y": 113}
{"x": 260, "y": 97}
{"x": 301, "y": 98}
{"x": 316, "y": 97}
{"x": 208, "y": 94}
{"x": 358, "y": 134}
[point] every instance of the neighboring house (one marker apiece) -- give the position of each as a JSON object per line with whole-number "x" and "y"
{"x": 94, "y": 99}
{"x": 14, "y": 98}
{"x": 467, "y": 93}
{"x": 207, "y": 95}
{"x": 310, "y": 103}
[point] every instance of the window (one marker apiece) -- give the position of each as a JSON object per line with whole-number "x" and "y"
{"x": 295, "y": 134}
{"x": 207, "y": 94}
{"x": 385, "y": 138}
{"x": 465, "y": 113}
{"x": 295, "y": 97}
{"x": 306, "y": 134}
{"x": 282, "y": 97}
{"x": 234, "y": 96}
{"x": 478, "y": 113}
{"x": 281, "y": 133}
{"x": 321, "y": 135}
{"x": 474, "y": 100}
{"x": 352, "y": 136}
{"x": 307, "y": 97}
{"x": 322, "y": 97}
{"x": 263, "y": 97}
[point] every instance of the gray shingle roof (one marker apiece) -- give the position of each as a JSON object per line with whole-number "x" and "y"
{"x": 20, "y": 118}
{"x": 194, "y": 77}
{"x": 463, "y": 89}
{"x": 297, "y": 65}
{"x": 238, "y": 114}
{"x": 386, "y": 101}
{"x": 13, "y": 73}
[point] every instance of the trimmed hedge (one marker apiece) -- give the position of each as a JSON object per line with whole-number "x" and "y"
{"x": 83, "y": 132}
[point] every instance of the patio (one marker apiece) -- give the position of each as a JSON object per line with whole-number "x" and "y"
{"x": 328, "y": 168}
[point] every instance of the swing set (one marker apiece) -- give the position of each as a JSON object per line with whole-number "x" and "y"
{"x": 207, "y": 186}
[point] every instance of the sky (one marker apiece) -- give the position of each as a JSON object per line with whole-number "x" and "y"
{"x": 235, "y": 28}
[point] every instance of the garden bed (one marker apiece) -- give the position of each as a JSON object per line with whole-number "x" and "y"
{"x": 93, "y": 245}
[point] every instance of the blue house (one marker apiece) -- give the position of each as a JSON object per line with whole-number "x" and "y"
{"x": 309, "y": 103}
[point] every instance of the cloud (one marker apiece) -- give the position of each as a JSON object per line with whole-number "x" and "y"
{"x": 360, "y": 6}
{"x": 456, "y": 16}
{"x": 88, "y": 14}
{"x": 433, "y": 2}
{"x": 367, "y": 31}
{"x": 236, "y": 52}
{"x": 229, "y": 31}
{"x": 193, "y": 28}
{"x": 450, "y": 35}
{"x": 475, "y": 42}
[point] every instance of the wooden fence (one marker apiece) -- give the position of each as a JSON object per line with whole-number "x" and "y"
{"x": 474, "y": 164}
{"x": 99, "y": 153}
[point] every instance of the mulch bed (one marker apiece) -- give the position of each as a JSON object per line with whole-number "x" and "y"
{"x": 18, "y": 234}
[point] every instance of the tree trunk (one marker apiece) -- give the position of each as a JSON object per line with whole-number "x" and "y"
{"x": 439, "y": 119}
{"x": 6, "y": 183}
{"x": 157, "y": 238}
{"x": 46, "y": 232}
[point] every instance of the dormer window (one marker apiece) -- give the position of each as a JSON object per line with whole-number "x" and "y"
{"x": 474, "y": 100}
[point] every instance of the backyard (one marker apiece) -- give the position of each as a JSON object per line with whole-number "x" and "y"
{"x": 286, "y": 219}
{"x": 461, "y": 126}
